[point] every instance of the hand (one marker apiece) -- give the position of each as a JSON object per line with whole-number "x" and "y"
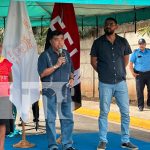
{"x": 61, "y": 60}
{"x": 135, "y": 74}
{"x": 71, "y": 83}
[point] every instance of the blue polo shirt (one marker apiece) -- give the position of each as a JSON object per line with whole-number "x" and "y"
{"x": 48, "y": 59}
{"x": 141, "y": 60}
{"x": 61, "y": 75}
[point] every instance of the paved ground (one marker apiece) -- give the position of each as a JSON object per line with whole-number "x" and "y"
{"x": 86, "y": 122}
{"x": 138, "y": 119}
{"x": 134, "y": 112}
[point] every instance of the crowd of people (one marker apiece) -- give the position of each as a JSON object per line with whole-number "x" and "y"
{"x": 109, "y": 58}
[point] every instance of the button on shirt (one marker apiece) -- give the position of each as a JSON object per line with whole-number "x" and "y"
{"x": 110, "y": 58}
{"x": 141, "y": 60}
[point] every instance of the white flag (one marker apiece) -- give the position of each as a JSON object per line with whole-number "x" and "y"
{"x": 20, "y": 48}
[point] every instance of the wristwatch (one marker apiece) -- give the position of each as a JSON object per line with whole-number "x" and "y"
{"x": 71, "y": 78}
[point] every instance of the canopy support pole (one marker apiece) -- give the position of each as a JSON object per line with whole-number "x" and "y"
{"x": 97, "y": 27}
{"x": 97, "y": 31}
{"x": 135, "y": 20}
{"x": 42, "y": 26}
{"x": 82, "y": 27}
{"x": 4, "y": 22}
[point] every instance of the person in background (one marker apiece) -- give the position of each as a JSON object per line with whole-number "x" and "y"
{"x": 109, "y": 58}
{"x": 140, "y": 69}
{"x": 35, "y": 110}
{"x": 5, "y": 104}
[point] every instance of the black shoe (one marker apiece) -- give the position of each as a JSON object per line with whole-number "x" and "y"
{"x": 101, "y": 146}
{"x": 129, "y": 145}
{"x": 140, "y": 108}
{"x": 70, "y": 148}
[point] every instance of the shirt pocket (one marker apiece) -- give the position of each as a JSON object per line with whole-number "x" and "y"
{"x": 139, "y": 59}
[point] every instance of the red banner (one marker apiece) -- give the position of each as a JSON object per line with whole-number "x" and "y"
{"x": 63, "y": 19}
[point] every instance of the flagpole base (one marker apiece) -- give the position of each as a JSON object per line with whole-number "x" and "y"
{"x": 23, "y": 144}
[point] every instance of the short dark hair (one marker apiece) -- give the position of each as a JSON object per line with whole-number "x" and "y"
{"x": 55, "y": 33}
{"x": 110, "y": 18}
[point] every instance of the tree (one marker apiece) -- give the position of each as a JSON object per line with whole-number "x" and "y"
{"x": 145, "y": 30}
{"x": 1, "y": 34}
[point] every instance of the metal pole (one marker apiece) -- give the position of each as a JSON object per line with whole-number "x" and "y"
{"x": 4, "y": 22}
{"x": 135, "y": 19}
{"x": 82, "y": 27}
{"x": 42, "y": 26}
{"x": 93, "y": 69}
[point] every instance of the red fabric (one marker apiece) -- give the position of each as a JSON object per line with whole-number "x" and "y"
{"x": 63, "y": 19}
{"x": 67, "y": 15}
{"x": 5, "y": 70}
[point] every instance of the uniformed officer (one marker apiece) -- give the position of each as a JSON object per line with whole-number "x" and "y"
{"x": 140, "y": 69}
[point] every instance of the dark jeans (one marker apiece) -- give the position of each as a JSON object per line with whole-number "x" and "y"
{"x": 35, "y": 109}
{"x": 142, "y": 80}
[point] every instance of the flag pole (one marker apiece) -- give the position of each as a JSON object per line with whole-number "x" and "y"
{"x": 23, "y": 143}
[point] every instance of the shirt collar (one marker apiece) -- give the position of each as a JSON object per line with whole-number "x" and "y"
{"x": 51, "y": 51}
{"x": 145, "y": 51}
{"x": 105, "y": 38}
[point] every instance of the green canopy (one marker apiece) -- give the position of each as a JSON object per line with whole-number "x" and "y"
{"x": 105, "y": 2}
{"x": 88, "y": 12}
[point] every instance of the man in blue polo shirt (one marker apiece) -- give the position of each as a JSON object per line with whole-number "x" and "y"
{"x": 140, "y": 69}
{"x": 56, "y": 73}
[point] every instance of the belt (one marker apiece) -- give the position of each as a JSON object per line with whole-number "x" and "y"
{"x": 140, "y": 72}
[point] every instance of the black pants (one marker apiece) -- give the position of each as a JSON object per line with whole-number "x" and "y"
{"x": 35, "y": 109}
{"x": 142, "y": 80}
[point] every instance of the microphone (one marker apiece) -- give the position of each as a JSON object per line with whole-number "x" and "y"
{"x": 61, "y": 54}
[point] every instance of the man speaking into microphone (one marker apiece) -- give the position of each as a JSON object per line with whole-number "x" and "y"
{"x": 57, "y": 75}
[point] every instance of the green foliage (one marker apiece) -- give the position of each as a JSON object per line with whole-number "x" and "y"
{"x": 145, "y": 30}
{"x": 1, "y": 35}
{"x": 40, "y": 37}
{"x": 87, "y": 32}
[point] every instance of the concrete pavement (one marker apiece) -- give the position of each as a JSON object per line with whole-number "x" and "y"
{"x": 138, "y": 119}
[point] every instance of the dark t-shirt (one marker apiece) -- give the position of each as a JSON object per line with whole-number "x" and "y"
{"x": 110, "y": 58}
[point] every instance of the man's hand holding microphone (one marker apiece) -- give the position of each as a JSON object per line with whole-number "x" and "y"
{"x": 61, "y": 60}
